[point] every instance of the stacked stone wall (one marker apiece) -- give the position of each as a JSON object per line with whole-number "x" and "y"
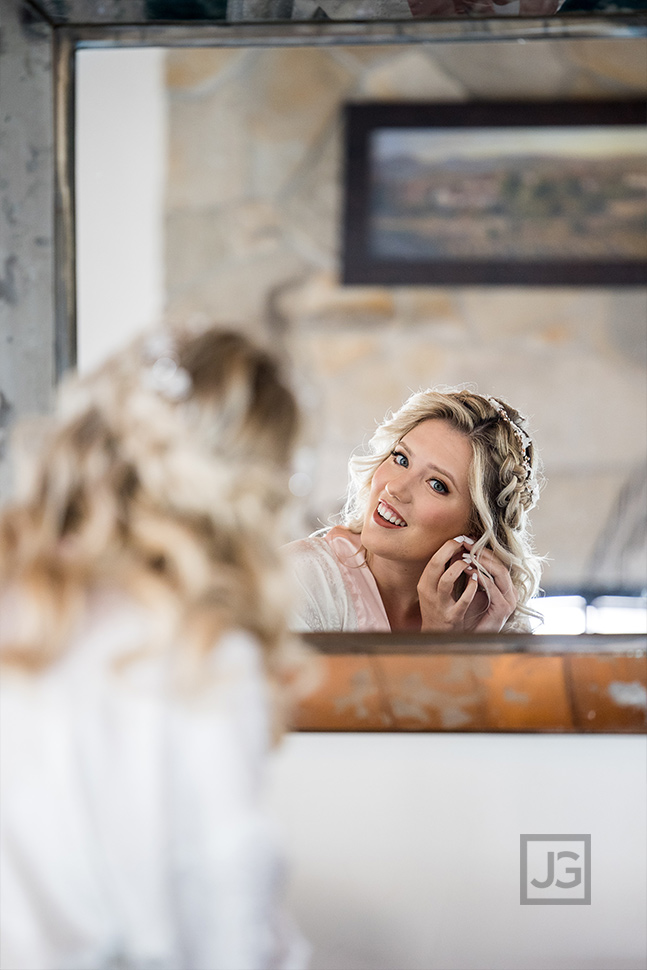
{"x": 253, "y": 238}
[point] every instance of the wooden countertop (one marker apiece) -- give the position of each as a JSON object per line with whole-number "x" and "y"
{"x": 592, "y": 683}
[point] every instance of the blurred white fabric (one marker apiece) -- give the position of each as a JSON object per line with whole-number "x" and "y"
{"x": 131, "y": 831}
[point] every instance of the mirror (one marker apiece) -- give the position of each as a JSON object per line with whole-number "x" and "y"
{"x": 210, "y": 185}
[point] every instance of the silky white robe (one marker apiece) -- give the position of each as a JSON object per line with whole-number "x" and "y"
{"x": 131, "y": 831}
{"x": 335, "y": 589}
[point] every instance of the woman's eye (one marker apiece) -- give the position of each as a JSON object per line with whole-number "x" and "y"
{"x": 400, "y": 458}
{"x": 437, "y": 485}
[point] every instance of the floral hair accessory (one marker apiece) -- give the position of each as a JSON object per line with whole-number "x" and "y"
{"x": 164, "y": 375}
{"x": 522, "y": 437}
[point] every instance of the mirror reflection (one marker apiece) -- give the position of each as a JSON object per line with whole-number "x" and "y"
{"x": 210, "y": 187}
{"x": 434, "y": 533}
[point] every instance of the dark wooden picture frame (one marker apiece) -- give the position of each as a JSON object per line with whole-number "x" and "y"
{"x": 555, "y": 194}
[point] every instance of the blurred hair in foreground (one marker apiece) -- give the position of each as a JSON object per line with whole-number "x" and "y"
{"x": 162, "y": 474}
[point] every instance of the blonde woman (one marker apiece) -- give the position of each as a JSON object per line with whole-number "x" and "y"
{"x": 143, "y": 651}
{"x": 434, "y": 534}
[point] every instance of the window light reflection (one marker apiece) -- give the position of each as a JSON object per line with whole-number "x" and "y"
{"x": 571, "y": 615}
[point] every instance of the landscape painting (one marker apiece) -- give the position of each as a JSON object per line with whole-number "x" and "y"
{"x": 553, "y": 202}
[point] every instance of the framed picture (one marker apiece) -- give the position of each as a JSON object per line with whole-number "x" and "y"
{"x": 521, "y": 193}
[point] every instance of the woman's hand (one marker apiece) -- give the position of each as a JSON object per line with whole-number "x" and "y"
{"x": 485, "y": 604}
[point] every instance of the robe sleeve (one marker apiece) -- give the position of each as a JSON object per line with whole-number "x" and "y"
{"x": 322, "y": 600}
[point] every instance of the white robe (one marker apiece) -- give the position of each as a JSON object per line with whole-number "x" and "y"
{"x": 335, "y": 589}
{"x": 131, "y": 831}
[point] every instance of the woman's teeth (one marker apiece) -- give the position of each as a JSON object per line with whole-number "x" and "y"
{"x": 385, "y": 513}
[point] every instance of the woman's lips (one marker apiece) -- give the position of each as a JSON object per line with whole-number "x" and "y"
{"x": 386, "y": 516}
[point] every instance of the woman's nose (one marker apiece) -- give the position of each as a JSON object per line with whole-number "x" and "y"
{"x": 397, "y": 488}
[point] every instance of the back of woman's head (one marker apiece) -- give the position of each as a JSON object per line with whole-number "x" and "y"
{"x": 162, "y": 473}
{"x": 208, "y": 403}
{"x": 503, "y": 476}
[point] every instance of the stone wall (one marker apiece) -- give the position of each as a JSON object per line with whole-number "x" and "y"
{"x": 253, "y": 238}
{"x": 27, "y": 338}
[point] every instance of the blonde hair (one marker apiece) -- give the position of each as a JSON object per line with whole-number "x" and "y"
{"x": 503, "y": 478}
{"x": 172, "y": 497}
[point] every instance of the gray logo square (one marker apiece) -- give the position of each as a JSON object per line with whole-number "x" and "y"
{"x": 556, "y": 870}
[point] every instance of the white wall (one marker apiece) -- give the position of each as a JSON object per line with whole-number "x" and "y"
{"x": 120, "y": 179}
{"x": 405, "y": 848}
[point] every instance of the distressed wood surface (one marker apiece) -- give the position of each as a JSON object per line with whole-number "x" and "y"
{"x": 599, "y": 685}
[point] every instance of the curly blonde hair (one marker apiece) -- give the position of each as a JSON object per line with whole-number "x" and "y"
{"x": 172, "y": 497}
{"x": 504, "y": 478}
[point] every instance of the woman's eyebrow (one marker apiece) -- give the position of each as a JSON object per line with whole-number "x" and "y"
{"x": 445, "y": 474}
{"x": 431, "y": 466}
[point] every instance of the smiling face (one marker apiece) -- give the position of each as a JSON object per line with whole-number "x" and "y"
{"x": 420, "y": 495}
